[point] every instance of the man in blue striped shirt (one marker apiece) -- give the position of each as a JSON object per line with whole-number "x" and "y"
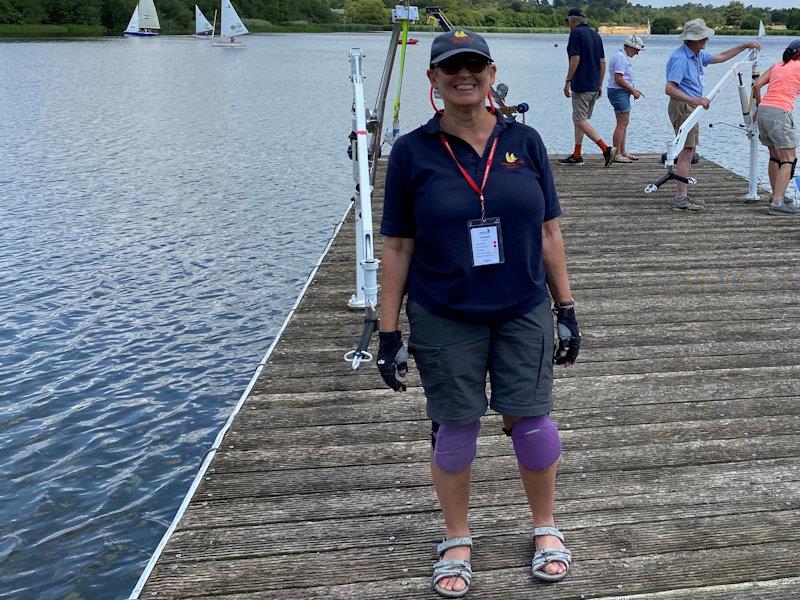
{"x": 685, "y": 81}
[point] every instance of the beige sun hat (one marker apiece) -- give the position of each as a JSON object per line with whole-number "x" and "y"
{"x": 695, "y": 30}
{"x": 635, "y": 42}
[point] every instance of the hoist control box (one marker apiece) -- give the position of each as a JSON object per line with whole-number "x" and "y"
{"x": 405, "y": 13}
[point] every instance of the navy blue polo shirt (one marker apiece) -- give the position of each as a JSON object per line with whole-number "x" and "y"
{"x": 586, "y": 43}
{"x": 428, "y": 199}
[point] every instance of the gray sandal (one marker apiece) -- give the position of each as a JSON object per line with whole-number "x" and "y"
{"x": 547, "y": 555}
{"x": 452, "y": 568}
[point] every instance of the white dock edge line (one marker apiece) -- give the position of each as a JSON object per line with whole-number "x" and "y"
{"x": 213, "y": 451}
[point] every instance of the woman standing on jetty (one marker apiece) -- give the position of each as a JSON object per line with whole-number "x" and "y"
{"x": 776, "y": 128}
{"x": 471, "y": 234}
{"x": 619, "y": 91}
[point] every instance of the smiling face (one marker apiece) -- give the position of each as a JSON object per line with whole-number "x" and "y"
{"x": 458, "y": 82}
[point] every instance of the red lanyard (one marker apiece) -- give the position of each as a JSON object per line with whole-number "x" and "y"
{"x": 470, "y": 181}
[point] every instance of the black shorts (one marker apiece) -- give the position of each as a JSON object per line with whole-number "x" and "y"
{"x": 453, "y": 358}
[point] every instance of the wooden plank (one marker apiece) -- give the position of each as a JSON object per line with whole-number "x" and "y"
{"x": 679, "y": 423}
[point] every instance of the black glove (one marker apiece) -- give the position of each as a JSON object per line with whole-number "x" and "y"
{"x": 392, "y": 356}
{"x": 569, "y": 336}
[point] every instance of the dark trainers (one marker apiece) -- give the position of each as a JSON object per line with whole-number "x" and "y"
{"x": 571, "y": 160}
{"x": 784, "y": 209}
{"x": 609, "y": 154}
{"x": 787, "y": 200}
{"x": 686, "y": 203}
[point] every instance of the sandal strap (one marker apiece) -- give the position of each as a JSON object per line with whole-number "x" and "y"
{"x": 453, "y": 543}
{"x": 548, "y": 531}
{"x": 547, "y": 555}
{"x": 452, "y": 568}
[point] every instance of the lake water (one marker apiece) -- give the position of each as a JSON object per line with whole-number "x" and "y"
{"x": 161, "y": 205}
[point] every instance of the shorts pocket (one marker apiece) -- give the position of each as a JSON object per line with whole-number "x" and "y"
{"x": 429, "y": 364}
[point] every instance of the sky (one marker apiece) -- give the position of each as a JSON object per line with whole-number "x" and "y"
{"x": 759, "y": 3}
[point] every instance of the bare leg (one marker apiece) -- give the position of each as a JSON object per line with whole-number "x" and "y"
{"x": 578, "y": 132}
{"x": 623, "y": 119}
{"x": 682, "y": 168}
{"x": 587, "y": 128}
{"x": 619, "y": 131}
{"x": 453, "y": 493}
{"x": 783, "y": 174}
{"x": 540, "y": 488}
{"x": 772, "y": 170}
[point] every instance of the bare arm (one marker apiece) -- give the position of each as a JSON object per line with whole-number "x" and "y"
{"x": 730, "y": 53}
{"x": 555, "y": 261}
{"x": 394, "y": 275}
{"x": 619, "y": 79}
{"x": 573, "y": 66}
{"x": 602, "y": 77}
{"x": 761, "y": 82}
{"x": 671, "y": 90}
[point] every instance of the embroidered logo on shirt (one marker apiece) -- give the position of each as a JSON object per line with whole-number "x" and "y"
{"x": 511, "y": 161}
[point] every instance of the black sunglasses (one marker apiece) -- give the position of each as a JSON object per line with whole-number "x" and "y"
{"x": 453, "y": 66}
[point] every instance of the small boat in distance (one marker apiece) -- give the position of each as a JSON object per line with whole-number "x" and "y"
{"x": 409, "y": 41}
{"x": 230, "y": 26}
{"x": 144, "y": 21}
{"x": 202, "y": 28}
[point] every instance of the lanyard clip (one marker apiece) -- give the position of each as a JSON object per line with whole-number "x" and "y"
{"x": 483, "y": 209}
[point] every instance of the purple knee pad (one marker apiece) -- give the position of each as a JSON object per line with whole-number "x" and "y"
{"x": 456, "y": 447}
{"x": 536, "y": 442}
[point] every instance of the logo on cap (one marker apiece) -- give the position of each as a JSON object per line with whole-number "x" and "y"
{"x": 460, "y": 36}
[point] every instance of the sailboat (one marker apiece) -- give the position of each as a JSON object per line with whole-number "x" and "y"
{"x": 202, "y": 28}
{"x": 231, "y": 26}
{"x": 144, "y": 21}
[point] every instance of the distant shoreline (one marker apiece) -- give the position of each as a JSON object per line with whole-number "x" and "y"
{"x": 65, "y": 31}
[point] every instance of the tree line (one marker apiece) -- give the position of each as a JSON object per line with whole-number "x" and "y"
{"x": 178, "y": 15}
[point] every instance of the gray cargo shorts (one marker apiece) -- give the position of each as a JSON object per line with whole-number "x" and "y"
{"x": 583, "y": 105}
{"x": 776, "y": 128}
{"x": 453, "y": 358}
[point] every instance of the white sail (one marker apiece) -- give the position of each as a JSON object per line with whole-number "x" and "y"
{"x": 148, "y": 19}
{"x": 133, "y": 25}
{"x": 201, "y": 24}
{"x": 231, "y": 23}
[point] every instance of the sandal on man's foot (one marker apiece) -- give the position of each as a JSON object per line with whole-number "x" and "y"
{"x": 545, "y": 556}
{"x": 452, "y": 568}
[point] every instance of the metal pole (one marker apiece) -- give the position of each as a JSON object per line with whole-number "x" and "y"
{"x": 366, "y": 295}
{"x": 380, "y": 102}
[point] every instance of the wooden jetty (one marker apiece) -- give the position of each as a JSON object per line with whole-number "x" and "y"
{"x": 680, "y": 477}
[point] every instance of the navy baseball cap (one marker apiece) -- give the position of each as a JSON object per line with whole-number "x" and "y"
{"x": 794, "y": 46}
{"x": 575, "y": 12}
{"x": 458, "y": 41}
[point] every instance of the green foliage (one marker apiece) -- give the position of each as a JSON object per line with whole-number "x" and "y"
{"x": 177, "y": 16}
{"x": 734, "y": 13}
{"x": 793, "y": 20}
{"x": 663, "y": 25}
{"x": 366, "y": 11}
{"x": 750, "y": 22}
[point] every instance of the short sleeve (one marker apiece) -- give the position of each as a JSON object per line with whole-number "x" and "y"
{"x": 616, "y": 65}
{"x": 601, "y": 49}
{"x": 676, "y": 69}
{"x": 398, "y": 196}
{"x": 574, "y": 44}
{"x": 705, "y": 57}
{"x": 552, "y": 207}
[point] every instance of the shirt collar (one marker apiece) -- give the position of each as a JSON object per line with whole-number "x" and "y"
{"x": 434, "y": 127}
{"x": 689, "y": 52}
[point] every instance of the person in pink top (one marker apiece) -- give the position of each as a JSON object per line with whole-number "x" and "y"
{"x": 776, "y": 128}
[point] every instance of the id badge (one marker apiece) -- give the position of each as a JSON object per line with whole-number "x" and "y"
{"x": 485, "y": 242}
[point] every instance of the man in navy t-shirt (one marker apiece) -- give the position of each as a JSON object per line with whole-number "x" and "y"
{"x": 584, "y": 84}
